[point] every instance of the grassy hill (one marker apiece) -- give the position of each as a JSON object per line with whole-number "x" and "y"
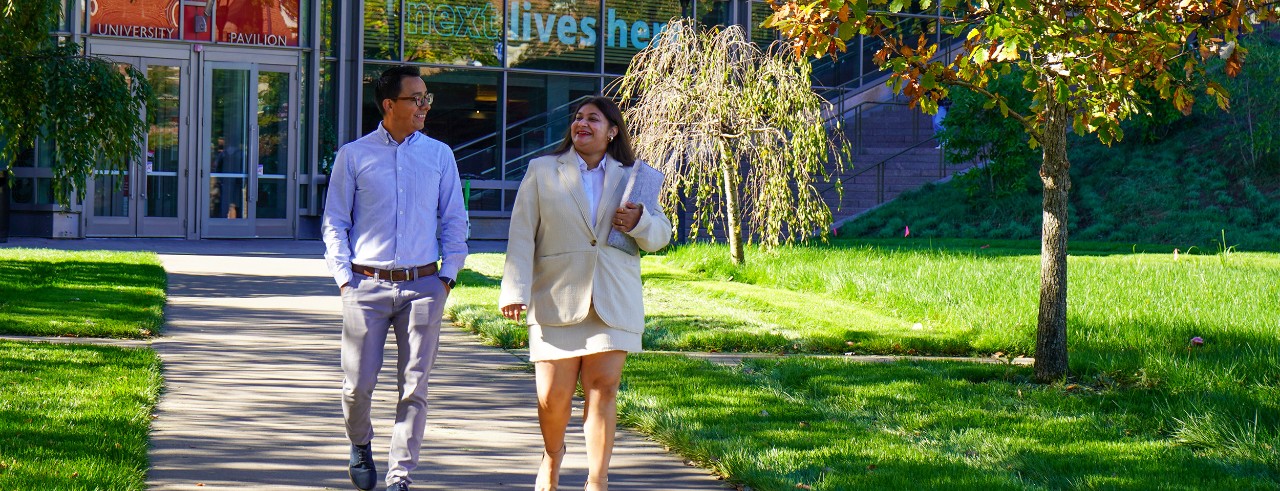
{"x": 1202, "y": 182}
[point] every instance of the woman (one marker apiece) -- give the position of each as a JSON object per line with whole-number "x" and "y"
{"x": 583, "y": 296}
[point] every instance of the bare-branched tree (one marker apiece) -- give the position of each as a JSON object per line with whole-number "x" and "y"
{"x": 736, "y": 129}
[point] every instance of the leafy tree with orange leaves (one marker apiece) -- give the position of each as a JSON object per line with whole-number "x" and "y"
{"x": 1082, "y": 61}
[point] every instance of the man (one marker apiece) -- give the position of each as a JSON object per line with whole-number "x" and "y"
{"x": 388, "y": 193}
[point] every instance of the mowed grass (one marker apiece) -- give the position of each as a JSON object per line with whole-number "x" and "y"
{"x": 1143, "y": 409}
{"x": 81, "y": 293}
{"x": 1130, "y": 315}
{"x": 75, "y": 416}
{"x": 832, "y": 424}
{"x": 688, "y": 312}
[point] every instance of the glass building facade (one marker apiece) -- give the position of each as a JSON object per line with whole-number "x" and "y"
{"x": 253, "y": 98}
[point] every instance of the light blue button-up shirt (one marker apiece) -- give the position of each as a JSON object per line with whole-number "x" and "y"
{"x": 386, "y": 202}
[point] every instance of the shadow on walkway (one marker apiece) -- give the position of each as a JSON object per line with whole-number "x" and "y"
{"x": 252, "y": 392}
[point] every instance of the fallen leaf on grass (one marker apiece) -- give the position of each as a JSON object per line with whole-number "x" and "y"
{"x": 803, "y": 486}
{"x": 871, "y": 467}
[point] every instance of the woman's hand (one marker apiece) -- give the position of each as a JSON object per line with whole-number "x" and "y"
{"x": 513, "y": 311}
{"x": 627, "y": 217}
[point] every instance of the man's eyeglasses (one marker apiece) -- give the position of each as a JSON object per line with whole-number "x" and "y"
{"x": 419, "y": 100}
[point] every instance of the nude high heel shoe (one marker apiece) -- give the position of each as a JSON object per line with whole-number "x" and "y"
{"x": 550, "y": 482}
{"x": 597, "y": 485}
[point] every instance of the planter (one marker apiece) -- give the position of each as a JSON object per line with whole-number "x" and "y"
{"x": 66, "y": 225}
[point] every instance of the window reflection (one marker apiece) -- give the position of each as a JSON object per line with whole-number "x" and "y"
{"x": 538, "y": 113}
{"x": 551, "y": 35}
{"x": 631, "y": 26}
{"x": 382, "y": 30}
{"x": 463, "y": 116}
{"x": 458, "y": 32}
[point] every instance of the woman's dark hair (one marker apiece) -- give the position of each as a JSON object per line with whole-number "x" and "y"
{"x": 620, "y": 147}
{"x": 387, "y": 86}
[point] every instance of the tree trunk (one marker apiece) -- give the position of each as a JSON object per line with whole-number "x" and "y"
{"x": 1051, "y": 327}
{"x": 733, "y": 223}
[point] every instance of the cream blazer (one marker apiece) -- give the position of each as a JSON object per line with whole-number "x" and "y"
{"x": 559, "y": 262}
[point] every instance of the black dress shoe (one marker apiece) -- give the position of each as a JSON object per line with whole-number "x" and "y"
{"x": 364, "y": 475}
{"x": 399, "y": 486}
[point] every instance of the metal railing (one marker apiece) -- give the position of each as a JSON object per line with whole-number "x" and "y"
{"x": 520, "y": 141}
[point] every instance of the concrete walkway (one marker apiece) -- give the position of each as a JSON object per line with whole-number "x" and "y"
{"x": 252, "y": 382}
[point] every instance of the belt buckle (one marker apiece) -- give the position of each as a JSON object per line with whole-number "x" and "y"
{"x": 409, "y": 274}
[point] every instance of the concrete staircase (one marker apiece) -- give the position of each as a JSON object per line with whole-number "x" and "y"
{"x": 894, "y": 152}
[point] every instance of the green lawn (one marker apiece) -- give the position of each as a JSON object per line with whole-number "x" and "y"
{"x": 1144, "y": 408}
{"x": 82, "y": 293}
{"x": 837, "y": 425}
{"x": 77, "y": 416}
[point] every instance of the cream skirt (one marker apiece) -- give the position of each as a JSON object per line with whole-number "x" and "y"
{"x": 590, "y": 336}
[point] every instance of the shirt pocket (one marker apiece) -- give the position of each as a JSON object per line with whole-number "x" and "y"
{"x": 426, "y": 183}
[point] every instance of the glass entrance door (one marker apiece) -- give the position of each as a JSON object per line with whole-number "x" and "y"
{"x": 250, "y": 150}
{"x": 147, "y": 199}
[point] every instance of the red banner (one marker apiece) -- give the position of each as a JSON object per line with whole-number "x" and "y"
{"x": 157, "y": 19}
{"x": 269, "y": 22}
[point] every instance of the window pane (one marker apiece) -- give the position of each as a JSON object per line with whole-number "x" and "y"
{"x": 713, "y": 12}
{"x": 273, "y": 123}
{"x": 458, "y": 32}
{"x": 328, "y": 112}
{"x": 162, "y": 195}
{"x": 328, "y": 29}
{"x": 463, "y": 116}
{"x": 44, "y": 153}
{"x": 163, "y": 118}
{"x": 538, "y": 115}
{"x": 551, "y": 35}
{"x": 629, "y": 26}
{"x": 305, "y": 86}
{"x": 23, "y": 190}
{"x": 479, "y": 199}
{"x": 163, "y": 158}
{"x": 382, "y": 30}
{"x": 26, "y": 158}
{"x": 111, "y": 194}
{"x": 761, "y": 35}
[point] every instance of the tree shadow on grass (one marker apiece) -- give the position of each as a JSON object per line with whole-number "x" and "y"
{"x": 81, "y": 298}
{"x": 918, "y": 425}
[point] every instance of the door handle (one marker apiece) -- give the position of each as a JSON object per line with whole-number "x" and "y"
{"x": 252, "y": 168}
{"x": 142, "y": 183}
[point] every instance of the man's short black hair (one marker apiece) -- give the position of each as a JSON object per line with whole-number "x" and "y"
{"x": 388, "y": 84}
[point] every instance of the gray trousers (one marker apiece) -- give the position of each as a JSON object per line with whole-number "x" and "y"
{"x": 371, "y": 307}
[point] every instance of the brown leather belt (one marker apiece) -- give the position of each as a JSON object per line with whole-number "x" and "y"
{"x": 406, "y": 274}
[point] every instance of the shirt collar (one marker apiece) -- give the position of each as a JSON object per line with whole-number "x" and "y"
{"x": 582, "y": 163}
{"x": 386, "y": 136}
